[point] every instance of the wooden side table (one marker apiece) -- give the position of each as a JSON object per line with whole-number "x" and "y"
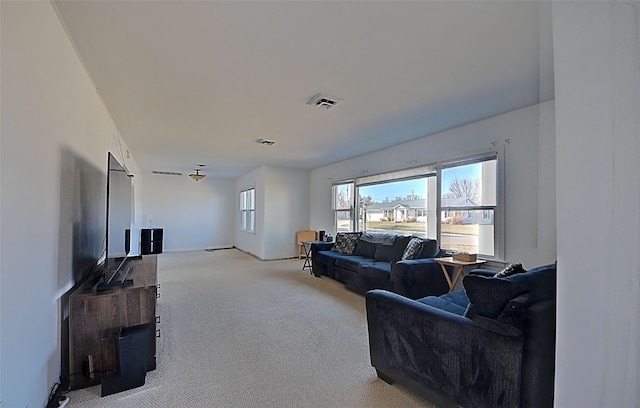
{"x": 307, "y": 251}
{"x": 458, "y": 269}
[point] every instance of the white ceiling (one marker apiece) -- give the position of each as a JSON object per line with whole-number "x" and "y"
{"x": 198, "y": 82}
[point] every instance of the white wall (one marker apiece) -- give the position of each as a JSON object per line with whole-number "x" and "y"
{"x": 282, "y": 209}
{"x": 194, "y": 215}
{"x": 55, "y": 130}
{"x": 287, "y": 210}
{"x": 521, "y": 149}
{"x": 597, "y": 71}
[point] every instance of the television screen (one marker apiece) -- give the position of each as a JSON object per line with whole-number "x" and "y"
{"x": 119, "y": 207}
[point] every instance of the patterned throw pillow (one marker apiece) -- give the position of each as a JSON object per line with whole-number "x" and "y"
{"x": 413, "y": 248}
{"x": 510, "y": 269}
{"x": 346, "y": 242}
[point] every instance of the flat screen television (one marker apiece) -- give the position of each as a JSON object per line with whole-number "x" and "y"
{"x": 118, "y": 230}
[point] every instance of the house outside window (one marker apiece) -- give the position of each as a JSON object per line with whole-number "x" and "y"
{"x": 342, "y": 204}
{"x": 248, "y": 210}
{"x": 397, "y": 206}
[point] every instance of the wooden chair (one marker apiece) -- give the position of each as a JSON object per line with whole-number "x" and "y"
{"x": 305, "y": 235}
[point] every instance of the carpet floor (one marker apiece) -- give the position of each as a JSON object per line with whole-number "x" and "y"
{"x": 240, "y": 332}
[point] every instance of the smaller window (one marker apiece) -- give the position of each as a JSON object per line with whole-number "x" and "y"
{"x": 469, "y": 204}
{"x": 248, "y": 210}
{"x": 343, "y": 206}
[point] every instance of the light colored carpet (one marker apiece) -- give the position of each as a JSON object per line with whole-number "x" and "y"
{"x": 239, "y": 332}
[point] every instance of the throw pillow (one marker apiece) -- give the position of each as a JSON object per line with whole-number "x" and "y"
{"x": 510, "y": 269}
{"x": 413, "y": 248}
{"x": 490, "y": 295}
{"x": 345, "y": 242}
{"x": 392, "y": 253}
{"x": 364, "y": 248}
{"x": 429, "y": 249}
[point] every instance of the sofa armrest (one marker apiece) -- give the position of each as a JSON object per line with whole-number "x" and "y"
{"x": 418, "y": 278}
{"x": 421, "y": 346}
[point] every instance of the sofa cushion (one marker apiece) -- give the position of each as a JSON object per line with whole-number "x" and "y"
{"x": 413, "y": 248}
{"x": 429, "y": 249}
{"x": 442, "y": 304}
{"x": 540, "y": 282}
{"x": 511, "y": 269}
{"x": 364, "y": 248}
{"x": 455, "y": 302}
{"x": 394, "y": 252}
{"x": 489, "y": 296}
{"x": 346, "y": 242}
{"x": 376, "y": 270}
{"x": 378, "y": 238}
{"x": 459, "y": 297}
{"x": 325, "y": 257}
{"x": 351, "y": 263}
{"x": 330, "y": 257}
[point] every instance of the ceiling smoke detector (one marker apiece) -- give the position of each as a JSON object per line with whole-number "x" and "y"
{"x": 265, "y": 142}
{"x": 325, "y": 101}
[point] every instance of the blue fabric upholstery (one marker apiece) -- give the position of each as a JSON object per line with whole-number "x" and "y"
{"x": 429, "y": 249}
{"x": 434, "y": 346}
{"x": 364, "y": 248}
{"x": 351, "y": 263}
{"x": 392, "y": 253}
{"x": 378, "y": 266}
{"x": 380, "y": 270}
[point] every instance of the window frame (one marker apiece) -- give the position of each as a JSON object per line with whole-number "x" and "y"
{"x": 349, "y": 211}
{"x": 496, "y": 208}
{"x": 435, "y": 170}
{"x": 248, "y": 210}
{"x": 422, "y": 172}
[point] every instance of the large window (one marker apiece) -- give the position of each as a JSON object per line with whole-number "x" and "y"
{"x": 248, "y": 210}
{"x": 400, "y": 207}
{"x": 343, "y": 206}
{"x": 454, "y": 202}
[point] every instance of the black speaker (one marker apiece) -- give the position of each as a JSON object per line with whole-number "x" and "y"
{"x": 133, "y": 350}
{"x": 151, "y": 240}
{"x": 127, "y": 240}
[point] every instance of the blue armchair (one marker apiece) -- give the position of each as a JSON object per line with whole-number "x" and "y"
{"x": 490, "y": 345}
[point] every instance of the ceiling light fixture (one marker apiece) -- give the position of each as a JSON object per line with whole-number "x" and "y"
{"x": 197, "y": 176}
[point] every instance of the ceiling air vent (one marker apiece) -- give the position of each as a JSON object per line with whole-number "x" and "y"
{"x": 325, "y": 101}
{"x": 166, "y": 173}
{"x": 265, "y": 142}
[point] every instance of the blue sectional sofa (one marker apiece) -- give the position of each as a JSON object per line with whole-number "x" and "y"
{"x": 366, "y": 261}
{"x": 489, "y": 345}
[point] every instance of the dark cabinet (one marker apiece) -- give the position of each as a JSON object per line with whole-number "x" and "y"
{"x": 151, "y": 240}
{"x": 96, "y": 319}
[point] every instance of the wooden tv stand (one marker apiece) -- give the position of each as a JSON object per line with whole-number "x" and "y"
{"x": 96, "y": 317}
